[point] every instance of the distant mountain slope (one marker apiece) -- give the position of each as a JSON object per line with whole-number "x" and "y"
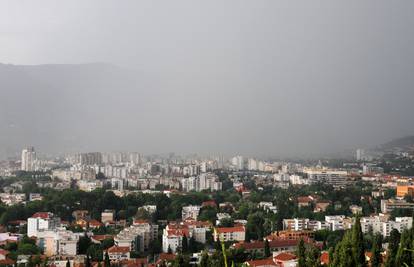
{"x": 404, "y": 142}
{"x": 57, "y": 107}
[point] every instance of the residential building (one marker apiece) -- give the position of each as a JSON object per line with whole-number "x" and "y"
{"x": 191, "y": 211}
{"x": 28, "y": 159}
{"x": 230, "y": 234}
{"x": 41, "y": 221}
{"x": 388, "y": 205}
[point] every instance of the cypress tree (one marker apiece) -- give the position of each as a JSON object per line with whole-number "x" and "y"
{"x": 67, "y": 263}
{"x": 403, "y": 253}
{"x": 343, "y": 255}
{"x": 358, "y": 244}
{"x": 184, "y": 245}
{"x": 313, "y": 257}
{"x": 88, "y": 261}
{"x": 204, "y": 261}
{"x": 107, "y": 261}
{"x": 376, "y": 251}
{"x": 267, "y": 249}
{"x": 301, "y": 254}
{"x": 393, "y": 243}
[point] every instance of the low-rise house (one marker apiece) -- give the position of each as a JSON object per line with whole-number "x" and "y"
{"x": 269, "y": 262}
{"x": 304, "y": 201}
{"x": 35, "y": 197}
{"x": 3, "y": 254}
{"x": 268, "y": 206}
{"x": 164, "y": 259}
{"x": 277, "y": 245}
{"x": 190, "y": 212}
{"x": 80, "y": 214}
{"x": 322, "y": 205}
{"x": 116, "y": 253}
{"x": 286, "y": 259}
{"x": 355, "y": 209}
{"x": 280, "y": 260}
{"x": 107, "y": 216}
{"x": 291, "y": 235}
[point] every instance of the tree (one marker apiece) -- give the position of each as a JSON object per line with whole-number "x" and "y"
{"x": 192, "y": 245}
{"x": 169, "y": 251}
{"x": 254, "y": 227}
{"x": 403, "y": 253}
{"x": 393, "y": 242}
{"x": 181, "y": 261}
{"x": 68, "y": 263}
{"x": 358, "y": 249}
{"x": 301, "y": 254}
{"x": 107, "y": 243}
{"x": 107, "y": 261}
{"x": 204, "y": 261}
{"x": 84, "y": 243}
{"x": 184, "y": 245}
{"x": 376, "y": 251}
{"x": 267, "y": 249}
{"x": 343, "y": 255}
{"x": 88, "y": 261}
{"x": 313, "y": 256}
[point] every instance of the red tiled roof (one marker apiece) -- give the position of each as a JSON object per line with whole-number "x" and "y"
{"x": 164, "y": 257}
{"x": 95, "y": 223}
{"x": 284, "y": 256}
{"x": 115, "y": 249}
{"x": 230, "y": 229}
{"x": 140, "y": 221}
{"x": 101, "y": 237}
{"x": 304, "y": 199}
{"x": 138, "y": 262}
{"x": 209, "y": 203}
{"x": 43, "y": 215}
{"x": 7, "y": 262}
{"x": 4, "y": 252}
{"x": 178, "y": 232}
{"x": 263, "y": 262}
{"x": 324, "y": 258}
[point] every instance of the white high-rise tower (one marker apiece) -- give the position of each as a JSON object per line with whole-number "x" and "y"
{"x": 28, "y": 159}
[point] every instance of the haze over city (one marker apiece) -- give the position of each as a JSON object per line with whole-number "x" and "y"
{"x": 261, "y": 78}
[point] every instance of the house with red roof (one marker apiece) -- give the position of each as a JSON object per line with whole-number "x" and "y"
{"x": 262, "y": 263}
{"x": 305, "y": 201}
{"x": 164, "y": 258}
{"x": 285, "y": 259}
{"x": 230, "y": 234}
{"x": 209, "y": 203}
{"x": 282, "y": 259}
{"x": 118, "y": 253}
{"x": 3, "y": 254}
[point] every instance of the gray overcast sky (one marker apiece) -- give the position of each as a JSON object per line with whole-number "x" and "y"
{"x": 252, "y": 77}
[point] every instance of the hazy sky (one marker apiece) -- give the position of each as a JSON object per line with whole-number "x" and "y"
{"x": 251, "y": 77}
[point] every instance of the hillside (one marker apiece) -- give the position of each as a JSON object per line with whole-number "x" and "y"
{"x": 57, "y": 107}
